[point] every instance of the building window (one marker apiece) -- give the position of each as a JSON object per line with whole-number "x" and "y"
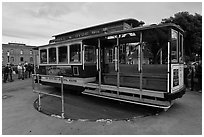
{"x": 12, "y": 52}
{"x": 52, "y": 55}
{"x": 21, "y": 59}
{"x": 31, "y": 52}
{"x": 62, "y": 54}
{"x": 75, "y": 53}
{"x": 21, "y": 52}
{"x": 31, "y": 59}
{"x": 43, "y": 56}
{"x": 8, "y": 53}
{"x": 12, "y": 59}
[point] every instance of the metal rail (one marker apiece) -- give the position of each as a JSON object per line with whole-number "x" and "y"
{"x": 37, "y": 77}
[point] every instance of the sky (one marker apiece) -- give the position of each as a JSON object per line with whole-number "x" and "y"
{"x": 34, "y": 23}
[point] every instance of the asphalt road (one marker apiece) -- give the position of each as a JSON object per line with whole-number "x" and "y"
{"x": 20, "y": 117}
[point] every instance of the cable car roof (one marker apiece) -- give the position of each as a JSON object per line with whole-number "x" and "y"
{"x": 135, "y": 29}
{"x": 131, "y": 21}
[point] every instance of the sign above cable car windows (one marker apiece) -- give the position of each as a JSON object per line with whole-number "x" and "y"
{"x": 90, "y": 32}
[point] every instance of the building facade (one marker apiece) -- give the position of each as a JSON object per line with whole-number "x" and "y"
{"x": 16, "y": 53}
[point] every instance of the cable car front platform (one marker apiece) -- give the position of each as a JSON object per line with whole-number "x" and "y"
{"x": 133, "y": 95}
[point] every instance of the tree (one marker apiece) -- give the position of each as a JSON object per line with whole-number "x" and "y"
{"x": 192, "y": 26}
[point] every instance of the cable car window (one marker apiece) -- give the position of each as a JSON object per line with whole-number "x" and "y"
{"x": 155, "y": 46}
{"x": 90, "y": 54}
{"x": 129, "y": 53}
{"x": 174, "y": 46}
{"x": 62, "y": 54}
{"x": 52, "y": 55}
{"x": 75, "y": 53}
{"x": 43, "y": 56}
{"x": 181, "y": 48}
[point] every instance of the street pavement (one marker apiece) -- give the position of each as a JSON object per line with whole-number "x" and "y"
{"x": 19, "y": 117}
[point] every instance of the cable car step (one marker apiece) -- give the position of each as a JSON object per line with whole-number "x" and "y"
{"x": 128, "y": 98}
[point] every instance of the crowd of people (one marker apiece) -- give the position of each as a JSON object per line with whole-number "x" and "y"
{"x": 193, "y": 75}
{"x": 23, "y": 70}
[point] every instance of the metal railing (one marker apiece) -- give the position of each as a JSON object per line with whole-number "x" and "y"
{"x": 36, "y": 81}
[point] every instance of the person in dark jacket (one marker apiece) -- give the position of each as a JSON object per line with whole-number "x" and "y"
{"x": 186, "y": 73}
{"x": 199, "y": 75}
{"x": 10, "y": 73}
{"x": 6, "y": 71}
{"x": 192, "y": 76}
{"x": 29, "y": 68}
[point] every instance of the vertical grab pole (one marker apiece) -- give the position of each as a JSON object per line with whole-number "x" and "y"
{"x": 83, "y": 60}
{"x": 117, "y": 57}
{"x": 97, "y": 59}
{"x": 62, "y": 96}
{"x": 161, "y": 56}
{"x": 99, "y": 64}
{"x": 140, "y": 63}
{"x": 168, "y": 70}
{"x": 39, "y": 96}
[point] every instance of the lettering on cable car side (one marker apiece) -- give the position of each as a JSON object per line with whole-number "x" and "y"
{"x": 59, "y": 70}
{"x": 54, "y": 79}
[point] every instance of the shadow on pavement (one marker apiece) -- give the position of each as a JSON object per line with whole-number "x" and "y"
{"x": 79, "y": 106}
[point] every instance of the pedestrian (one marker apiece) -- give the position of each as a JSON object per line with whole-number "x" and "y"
{"x": 199, "y": 75}
{"x": 26, "y": 69}
{"x": 29, "y": 70}
{"x": 19, "y": 71}
{"x": 3, "y": 67}
{"x": 186, "y": 72}
{"x": 32, "y": 66}
{"x": 192, "y": 69}
{"x": 10, "y": 73}
{"x": 23, "y": 71}
{"x": 6, "y": 71}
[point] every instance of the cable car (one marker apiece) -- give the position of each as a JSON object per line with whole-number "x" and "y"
{"x": 118, "y": 60}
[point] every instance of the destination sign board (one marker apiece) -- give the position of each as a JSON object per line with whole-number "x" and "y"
{"x": 90, "y": 32}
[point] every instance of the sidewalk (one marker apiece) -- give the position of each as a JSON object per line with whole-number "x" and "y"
{"x": 15, "y": 78}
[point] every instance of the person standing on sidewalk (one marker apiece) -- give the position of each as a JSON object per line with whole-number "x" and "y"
{"x": 6, "y": 71}
{"x": 199, "y": 75}
{"x": 186, "y": 72}
{"x": 192, "y": 76}
{"x": 10, "y": 73}
{"x": 23, "y": 71}
{"x": 19, "y": 71}
{"x": 29, "y": 70}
